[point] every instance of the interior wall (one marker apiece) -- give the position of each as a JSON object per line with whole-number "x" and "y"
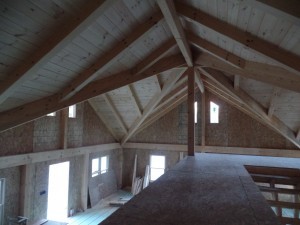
{"x": 44, "y": 134}
{"x": 143, "y": 159}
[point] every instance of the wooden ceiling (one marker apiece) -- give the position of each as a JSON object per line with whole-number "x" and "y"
{"x": 129, "y": 59}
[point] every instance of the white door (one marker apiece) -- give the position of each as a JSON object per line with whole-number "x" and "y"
{"x": 58, "y": 191}
{"x": 2, "y": 195}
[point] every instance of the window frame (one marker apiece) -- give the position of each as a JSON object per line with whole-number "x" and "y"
{"x": 72, "y": 111}
{"x": 214, "y": 116}
{"x": 99, "y": 170}
{"x": 104, "y": 170}
{"x": 161, "y": 168}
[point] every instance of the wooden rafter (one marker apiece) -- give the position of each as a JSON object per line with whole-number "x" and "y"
{"x": 198, "y": 80}
{"x": 250, "y": 104}
{"x": 39, "y": 108}
{"x": 173, "y": 77}
{"x": 115, "y": 112}
{"x": 210, "y": 48}
{"x": 134, "y": 99}
{"x": 236, "y": 82}
{"x": 168, "y": 9}
{"x": 270, "y": 74}
{"x": 110, "y": 57}
{"x": 64, "y": 34}
{"x": 276, "y": 93}
{"x": 157, "y": 83}
{"x": 94, "y": 104}
{"x": 275, "y": 52}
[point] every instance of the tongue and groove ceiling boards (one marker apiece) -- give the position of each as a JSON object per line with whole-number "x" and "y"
{"x": 130, "y": 59}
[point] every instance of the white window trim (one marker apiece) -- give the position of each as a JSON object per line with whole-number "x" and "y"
{"x": 99, "y": 169}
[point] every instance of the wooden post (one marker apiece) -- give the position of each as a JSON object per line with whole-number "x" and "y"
{"x": 64, "y": 128}
{"x": 203, "y": 119}
{"x": 297, "y": 201}
{"x": 191, "y": 112}
{"x": 85, "y": 181}
{"x": 27, "y": 190}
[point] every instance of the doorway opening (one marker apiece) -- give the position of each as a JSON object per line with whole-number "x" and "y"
{"x": 58, "y": 191}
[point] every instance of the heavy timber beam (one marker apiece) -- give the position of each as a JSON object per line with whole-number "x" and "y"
{"x": 270, "y": 74}
{"x": 212, "y": 49}
{"x": 39, "y": 108}
{"x": 245, "y": 38}
{"x": 191, "y": 112}
{"x": 55, "y": 43}
{"x": 109, "y": 57}
{"x": 277, "y": 125}
{"x": 168, "y": 9}
{"x": 173, "y": 77}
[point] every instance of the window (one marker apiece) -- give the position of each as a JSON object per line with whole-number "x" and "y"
{"x": 214, "y": 113}
{"x": 72, "y": 111}
{"x": 157, "y": 166}
{"x": 196, "y": 112}
{"x": 51, "y": 114}
{"x": 95, "y": 167}
{"x": 104, "y": 164}
{"x": 100, "y": 165}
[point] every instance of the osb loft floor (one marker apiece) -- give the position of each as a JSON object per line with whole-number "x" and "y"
{"x": 210, "y": 189}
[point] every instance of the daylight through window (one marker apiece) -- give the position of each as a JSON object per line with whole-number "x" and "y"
{"x": 196, "y": 112}
{"x": 157, "y": 166}
{"x": 72, "y": 111}
{"x": 214, "y": 113}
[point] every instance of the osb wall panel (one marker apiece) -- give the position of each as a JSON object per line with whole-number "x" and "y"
{"x": 46, "y": 133}
{"x": 236, "y": 129}
{"x": 105, "y": 184}
{"x": 17, "y": 140}
{"x": 94, "y": 131}
{"x": 12, "y": 176}
{"x": 75, "y": 128}
{"x": 41, "y": 186}
{"x": 143, "y": 159}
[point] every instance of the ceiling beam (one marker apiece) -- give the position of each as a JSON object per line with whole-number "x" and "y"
{"x": 198, "y": 80}
{"x": 94, "y": 105}
{"x": 275, "y": 94}
{"x": 215, "y": 50}
{"x": 270, "y": 74}
{"x": 41, "y": 107}
{"x": 272, "y": 51}
{"x": 173, "y": 77}
{"x": 110, "y": 57}
{"x": 56, "y": 42}
{"x": 236, "y": 82}
{"x": 250, "y": 104}
{"x": 168, "y": 9}
{"x": 115, "y": 112}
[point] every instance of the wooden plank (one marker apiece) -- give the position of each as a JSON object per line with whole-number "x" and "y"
{"x": 260, "y": 178}
{"x": 63, "y": 36}
{"x": 36, "y": 109}
{"x": 216, "y": 51}
{"x": 93, "y": 104}
{"x": 24, "y": 159}
{"x": 191, "y": 112}
{"x": 270, "y": 74}
{"x": 251, "y": 105}
{"x": 174, "y": 76}
{"x": 274, "y": 171}
{"x": 115, "y": 112}
{"x": 276, "y": 93}
{"x": 64, "y": 117}
{"x": 245, "y": 38}
{"x": 203, "y": 118}
{"x": 85, "y": 181}
{"x": 27, "y": 190}
{"x": 289, "y": 205}
{"x": 236, "y": 82}
{"x": 110, "y": 57}
{"x": 168, "y": 9}
{"x": 279, "y": 190}
{"x": 134, "y": 98}
{"x": 216, "y": 149}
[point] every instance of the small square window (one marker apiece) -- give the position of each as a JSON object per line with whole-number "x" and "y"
{"x": 214, "y": 113}
{"x": 51, "y": 114}
{"x": 157, "y": 166}
{"x": 72, "y": 111}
